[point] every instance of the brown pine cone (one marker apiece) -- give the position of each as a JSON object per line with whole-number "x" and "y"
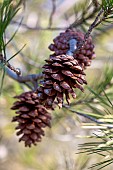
{"x": 61, "y": 46}
{"x": 31, "y": 117}
{"x": 61, "y": 75}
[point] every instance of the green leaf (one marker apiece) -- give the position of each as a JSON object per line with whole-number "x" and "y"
{"x": 7, "y": 13}
{"x": 14, "y": 33}
{"x": 107, "y": 162}
{"x": 98, "y": 97}
{"x": 16, "y": 53}
{"x": 2, "y": 80}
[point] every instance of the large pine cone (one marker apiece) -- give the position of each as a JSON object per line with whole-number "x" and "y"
{"x": 62, "y": 73}
{"x": 32, "y": 118}
{"x": 61, "y": 46}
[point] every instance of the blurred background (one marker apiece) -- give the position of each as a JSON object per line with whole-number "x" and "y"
{"x": 41, "y": 21}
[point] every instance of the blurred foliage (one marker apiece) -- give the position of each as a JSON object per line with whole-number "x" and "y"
{"x": 101, "y": 110}
{"x": 58, "y": 149}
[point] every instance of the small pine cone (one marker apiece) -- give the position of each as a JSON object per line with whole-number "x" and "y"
{"x": 61, "y": 75}
{"x": 31, "y": 117}
{"x": 61, "y": 46}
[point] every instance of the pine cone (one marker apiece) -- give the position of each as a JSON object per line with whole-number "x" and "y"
{"x": 32, "y": 118}
{"x": 61, "y": 74}
{"x": 61, "y": 46}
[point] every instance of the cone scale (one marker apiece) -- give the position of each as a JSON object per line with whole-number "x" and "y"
{"x": 64, "y": 70}
{"x": 61, "y": 44}
{"x": 62, "y": 74}
{"x": 32, "y": 118}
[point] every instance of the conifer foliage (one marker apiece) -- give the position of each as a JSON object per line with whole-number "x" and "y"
{"x": 63, "y": 73}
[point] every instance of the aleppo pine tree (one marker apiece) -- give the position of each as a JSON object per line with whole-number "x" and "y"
{"x": 59, "y": 84}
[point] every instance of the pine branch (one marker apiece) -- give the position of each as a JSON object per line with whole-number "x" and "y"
{"x": 84, "y": 18}
{"x": 23, "y": 79}
{"x": 105, "y": 13}
{"x": 105, "y": 144}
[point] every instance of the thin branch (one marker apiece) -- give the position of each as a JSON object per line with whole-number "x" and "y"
{"x": 16, "y": 70}
{"x": 39, "y": 28}
{"x": 87, "y": 116}
{"x": 24, "y": 79}
{"x": 96, "y": 3}
{"x": 75, "y": 24}
{"x": 49, "y": 28}
{"x": 98, "y": 20}
{"x": 52, "y": 12}
{"x": 92, "y": 119}
{"x": 92, "y": 26}
{"x": 84, "y": 19}
{"x": 19, "y": 3}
